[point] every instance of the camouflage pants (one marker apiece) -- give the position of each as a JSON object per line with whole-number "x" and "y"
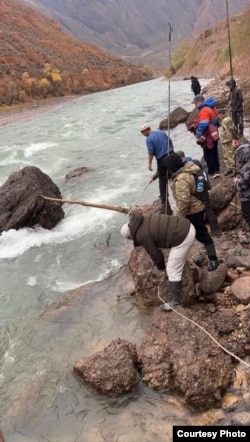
{"x": 228, "y": 155}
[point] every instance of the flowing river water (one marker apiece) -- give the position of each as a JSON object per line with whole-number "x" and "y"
{"x": 41, "y": 399}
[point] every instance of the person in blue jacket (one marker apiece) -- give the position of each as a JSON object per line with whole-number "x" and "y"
{"x": 158, "y": 146}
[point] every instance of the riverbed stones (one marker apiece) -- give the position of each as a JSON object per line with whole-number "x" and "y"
{"x": 241, "y": 289}
{"x": 211, "y": 282}
{"x": 111, "y": 371}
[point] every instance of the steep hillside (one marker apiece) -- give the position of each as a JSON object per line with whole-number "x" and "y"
{"x": 137, "y": 30}
{"x": 209, "y": 56}
{"x": 38, "y": 60}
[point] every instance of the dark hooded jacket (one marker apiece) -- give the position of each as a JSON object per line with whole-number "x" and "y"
{"x": 182, "y": 183}
{"x": 235, "y": 97}
{"x": 158, "y": 231}
{"x": 195, "y": 85}
{"x": 243, "y": 184}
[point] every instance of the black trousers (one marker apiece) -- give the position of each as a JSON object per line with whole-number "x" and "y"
{"x": 210, "y": 215}
{"x": 198, "y": 221}
{"x": 163, "y": 179}
{"x": 211, "y": 157}
{"x": 237, "y": 118}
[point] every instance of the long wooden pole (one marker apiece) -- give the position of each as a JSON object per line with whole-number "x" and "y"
{"x": 167, "y": 208}
{"x": 229, "y": 41}
{"x": 85, "y": 203}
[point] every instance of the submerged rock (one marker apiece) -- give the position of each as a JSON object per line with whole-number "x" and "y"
{"x": 111, "y": 371}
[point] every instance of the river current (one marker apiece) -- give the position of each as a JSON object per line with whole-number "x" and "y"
{"x": 41, "y": 400}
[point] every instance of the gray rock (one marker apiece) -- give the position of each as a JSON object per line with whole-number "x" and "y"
{"x": 241, "y": 289}
{"x": 242, "y": 419}
{"x": 177, "y": 116}
{"x": 211, "y": 282}
{"x": 21, "y": 204}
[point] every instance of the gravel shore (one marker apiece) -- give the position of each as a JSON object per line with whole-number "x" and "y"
{"x": 17, "y": 114}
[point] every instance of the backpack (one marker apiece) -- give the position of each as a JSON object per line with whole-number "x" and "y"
{"x": 202, "y": 184}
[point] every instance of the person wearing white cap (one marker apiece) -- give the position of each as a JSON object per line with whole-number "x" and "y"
{"x": 160, "y": 231}
{"x": 158, "y": 146}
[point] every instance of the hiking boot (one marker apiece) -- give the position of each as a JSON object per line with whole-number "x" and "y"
{"x": 175, "y": 287}
{"x": 228, "y": 172}
{"x": 213, "y": 265}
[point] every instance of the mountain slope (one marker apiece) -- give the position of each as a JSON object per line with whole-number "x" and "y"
{"x": 209, "y": 56}
{"x": 38, "y": 59}
{"x": 137, "y": 30}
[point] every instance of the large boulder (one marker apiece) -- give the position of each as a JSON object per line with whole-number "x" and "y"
{"x": 176, "y": 353}
{"x": 221, "y": 194}
{"x": 177, "y": 116}
{"x": 21, "y": 204}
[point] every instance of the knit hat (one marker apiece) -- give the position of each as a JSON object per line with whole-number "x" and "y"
{"x": 180, "y": 153}
{"x": 198, "y": 98}
{"x": 125, "y": 231}
{"x": 173, "y": 162}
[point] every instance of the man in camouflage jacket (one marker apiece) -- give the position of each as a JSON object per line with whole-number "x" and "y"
{"x": 227, "y": 134}
{"x": 183, "y": 186}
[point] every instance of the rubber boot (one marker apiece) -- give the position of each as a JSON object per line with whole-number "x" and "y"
{"x": 213, "y": 260}
{"x": 175, "y": 288}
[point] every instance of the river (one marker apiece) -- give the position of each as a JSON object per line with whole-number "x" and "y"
{"x": 41, "y": 399}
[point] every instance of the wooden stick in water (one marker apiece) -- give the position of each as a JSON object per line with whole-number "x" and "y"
{"x": 85, "y": 203}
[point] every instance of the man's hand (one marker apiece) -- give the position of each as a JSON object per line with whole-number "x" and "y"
{"x": 150, "y": 167}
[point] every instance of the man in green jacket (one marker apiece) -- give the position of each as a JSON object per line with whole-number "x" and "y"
{"x": 160, "y": 231}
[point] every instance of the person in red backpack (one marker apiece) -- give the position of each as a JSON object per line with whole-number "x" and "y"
{"x": 208, "y": 114}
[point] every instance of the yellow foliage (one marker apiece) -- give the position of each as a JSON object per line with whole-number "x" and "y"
{"x": 43, "y": 82}
{"x": 85, "y": 71}
{"x": 22, "y": 96}
{"x": 25, "y": 76}
{"x": 55, "y": 75}
{"x": 47, "y": 69}
{"x": 29, "y": 81}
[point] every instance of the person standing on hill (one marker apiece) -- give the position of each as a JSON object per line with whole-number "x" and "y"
{"x": 208, "y": 114}
{"x": 158, "y": 146}
{"x": 195, "y": 85}
{"x": 236, "y": 102}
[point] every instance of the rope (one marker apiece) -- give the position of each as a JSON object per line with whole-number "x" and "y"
{"x": 139, "y": 197}
{"x": 205, "y": 331}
